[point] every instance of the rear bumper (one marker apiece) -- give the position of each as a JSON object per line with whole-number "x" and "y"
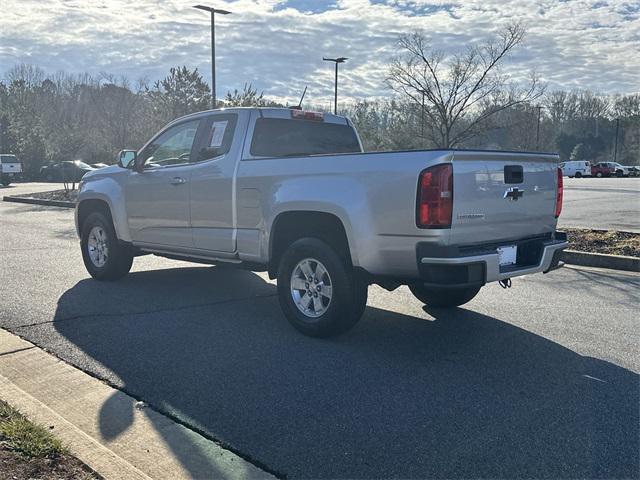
{"x": 535, "y": 256}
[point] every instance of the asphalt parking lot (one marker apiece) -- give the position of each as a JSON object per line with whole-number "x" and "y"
{"x": 541, "y": 380}
{"x": 603, "y": 203}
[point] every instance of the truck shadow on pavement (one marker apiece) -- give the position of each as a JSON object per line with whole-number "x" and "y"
{"x": 457, "y": 395}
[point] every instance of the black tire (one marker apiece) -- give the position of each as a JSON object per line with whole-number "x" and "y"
{"x": 578, "y": 174}
{"x": 348, "y": 298}
{"x": 119, "y": 257}
{"x": 619, "y": 173}
{"x": 599, "y": 174}
{"x": 6, "y": 181}
{"x": 443, "y": 297}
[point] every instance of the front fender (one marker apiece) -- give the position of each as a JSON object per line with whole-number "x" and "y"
{"x": 109, "y": 189}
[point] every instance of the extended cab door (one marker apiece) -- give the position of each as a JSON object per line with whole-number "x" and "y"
{"x": 157, "y": 200}
{"x": 212, "y": 182}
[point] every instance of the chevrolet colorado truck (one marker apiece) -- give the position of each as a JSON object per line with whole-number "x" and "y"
{"x": 291, "y": 192}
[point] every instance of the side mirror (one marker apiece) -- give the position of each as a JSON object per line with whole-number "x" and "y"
{"x": 127, "y": 158}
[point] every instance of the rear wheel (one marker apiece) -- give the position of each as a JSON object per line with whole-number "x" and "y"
{"x": 578, "y": 174}
{"x": 103, "y": 255}
{"x": 443, "y": 297}
{"x": 599, "y": 174}
{"x": 619, "y": 173}
{"x": 318, "y": 292}
{"x": 6, "y": 181}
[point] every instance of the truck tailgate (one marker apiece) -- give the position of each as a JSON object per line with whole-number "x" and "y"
{"x": 502, "y": 196}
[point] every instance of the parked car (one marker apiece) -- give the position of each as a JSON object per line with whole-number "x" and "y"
{"x": 634, "y": 171}
{"x": 290, "y": 192}
{"x": 602, "y": 169}
{"x": 576, "y": 168}
{"x": 620, "y": 170}
{"x": 10, "y": 168}
{"x": 70, "y": 171}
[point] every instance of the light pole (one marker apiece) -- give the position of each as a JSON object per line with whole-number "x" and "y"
{"x": 615, "y": 149}
{"x": 213, "y": 11}
{"x": 335, "y": 92}
{"x": 422, "y": 116}
{"x": 539, "y": 108}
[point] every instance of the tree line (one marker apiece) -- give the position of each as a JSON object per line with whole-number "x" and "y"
{"x": 457, "y": 100}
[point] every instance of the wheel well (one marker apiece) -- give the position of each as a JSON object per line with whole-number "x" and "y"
{"x": 87, "y": 207}
{"x": 291, "y": 226}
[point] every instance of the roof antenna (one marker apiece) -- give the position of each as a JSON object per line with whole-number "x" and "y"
{"x": 299, "y": 106}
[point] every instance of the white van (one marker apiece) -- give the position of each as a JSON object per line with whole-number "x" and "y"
{"x": 576, "y": 168}
{"x": 10, "y": 167}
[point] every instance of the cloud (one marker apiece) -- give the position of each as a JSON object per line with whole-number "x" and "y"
{"x": 278, "y": 44}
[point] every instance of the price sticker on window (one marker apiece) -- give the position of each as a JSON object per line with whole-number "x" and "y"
{"x": 217, "y": 133}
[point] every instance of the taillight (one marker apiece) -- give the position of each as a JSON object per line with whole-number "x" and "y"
{"x": 560, "y": 194}
{"x": 435, "y": 197}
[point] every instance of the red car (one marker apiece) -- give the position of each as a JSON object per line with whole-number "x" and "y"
{"x": 603, "y": 169}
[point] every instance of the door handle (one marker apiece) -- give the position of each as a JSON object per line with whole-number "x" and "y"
{"x": 177, "y": 181}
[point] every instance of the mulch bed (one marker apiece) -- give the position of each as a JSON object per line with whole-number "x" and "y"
{"x": 31, "y": 451}
{"x": 59, "y": 195}
{"x": 610, "y": 242}
{"x": 15, "y": 466}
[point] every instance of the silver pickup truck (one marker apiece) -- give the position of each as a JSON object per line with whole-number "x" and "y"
{"x": 292, "y": 193}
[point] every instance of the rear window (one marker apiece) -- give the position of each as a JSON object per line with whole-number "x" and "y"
{"x": 279, "y": 137}
{"x": 9, "y": 159}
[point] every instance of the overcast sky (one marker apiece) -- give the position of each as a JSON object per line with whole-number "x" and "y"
{"x": 278, "y": 44}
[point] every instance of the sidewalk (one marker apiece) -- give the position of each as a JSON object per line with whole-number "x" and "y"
{"x": 105, "y": 428}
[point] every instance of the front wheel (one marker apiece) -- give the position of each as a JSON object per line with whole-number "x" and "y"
{"x": 578, "y": 175}
{"x": 619, "y": 174}
{"x": 104, "y": 257}
{"x": 599, "y": 174}
{"x": 6, "y": 181}
{"x": 318, "y": 292}
{"x": 443, "y": 297}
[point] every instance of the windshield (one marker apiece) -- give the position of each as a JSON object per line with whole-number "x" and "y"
{"x": 9, "y": 159}
{"x": 81, "y": 164}
{"x": 278, "y": 137}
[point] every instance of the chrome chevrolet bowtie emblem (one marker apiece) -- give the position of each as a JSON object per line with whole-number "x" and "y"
{"x": 513, "y": 193}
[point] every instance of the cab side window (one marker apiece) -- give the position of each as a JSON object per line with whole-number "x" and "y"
{"x": 217, "y": 137}
{"x": 172, "y": 147}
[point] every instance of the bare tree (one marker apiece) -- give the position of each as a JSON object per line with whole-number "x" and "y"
{"x": 461, "y": 91}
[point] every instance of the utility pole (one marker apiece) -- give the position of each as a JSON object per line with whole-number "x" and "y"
{"x": 615, "y": 150}
{"x": 538, "y": 129}
{"x": 335, "y": 90}
{"x": 213, "y": 12}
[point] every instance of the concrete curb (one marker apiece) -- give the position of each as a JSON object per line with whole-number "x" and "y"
{"x": 105, "y": 428}
{"x": 39, "y": 201}
{"x": 600, "y": 260}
